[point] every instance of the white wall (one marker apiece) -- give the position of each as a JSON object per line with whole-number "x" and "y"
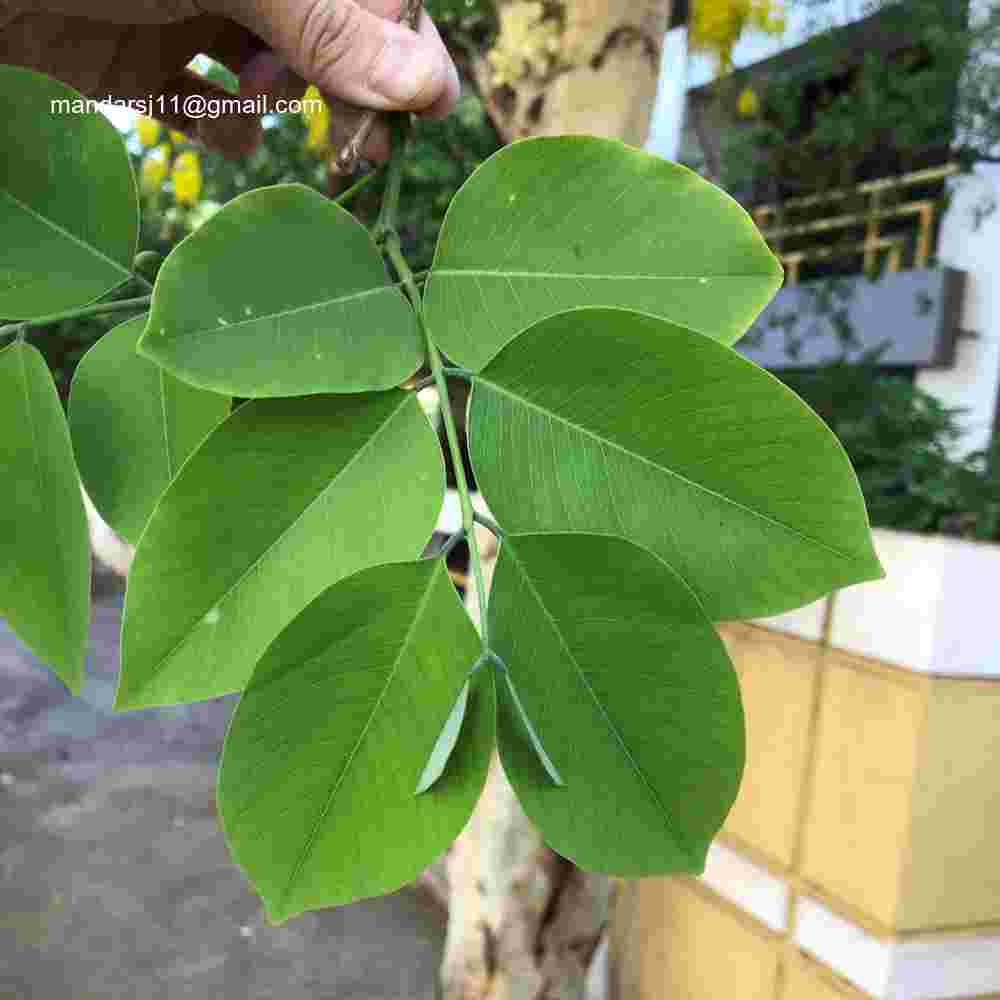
{"x": 974, "y": 381}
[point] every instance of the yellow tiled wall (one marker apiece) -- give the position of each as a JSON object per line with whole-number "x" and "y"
{"x": 869, "y": 788}
{"x": 778, "y": 704}
{"x": 691, "y": 947}
{"x": 857, "y": 818}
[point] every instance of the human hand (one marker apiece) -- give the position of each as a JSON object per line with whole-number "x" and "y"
{"x": 353, "y": 50}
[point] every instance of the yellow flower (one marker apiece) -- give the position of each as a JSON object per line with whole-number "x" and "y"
{"x": 526, "y": 44}
{"x": 316, "y": 115}
{"x": 178, "y": 138}
{"x": 187, "y": 179}
{"x": 148, "y": 130}
{"x": 717, "y": 25}
{"x": 155, "y": 167}
{"x": 748, "y": 103}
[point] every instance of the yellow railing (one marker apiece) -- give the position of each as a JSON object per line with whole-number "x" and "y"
{"x": 774, "y": 224}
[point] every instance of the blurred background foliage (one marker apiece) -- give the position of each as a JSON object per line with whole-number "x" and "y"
{"x": 929, "y": 91}
{"x": 900, "y": 439}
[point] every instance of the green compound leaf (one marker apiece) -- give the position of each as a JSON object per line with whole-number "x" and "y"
{"x": 329, "y": 739}
{"x": 284, "y": 499}
{"x": 550, "y": 224}
{"x": 282, "y": 293}
{"x": 69, "y": 212}
{"x": 633, "y": 695}
{"x": 612, "y": 422}
{"x": 133, "y": 425}
{"x": 44, "y": 542}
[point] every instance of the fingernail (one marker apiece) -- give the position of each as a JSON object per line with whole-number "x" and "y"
{"x": 405, "y": 74}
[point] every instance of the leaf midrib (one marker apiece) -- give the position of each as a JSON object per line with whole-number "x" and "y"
{"x": 225, "y": 328}
{"x": 708, "y": 491}
{"x": 453, "y": 272}
{"x": 310, "y": 843}
{"x": 189, "y": 630}
{"x": 633, "y": 763}
{"x": 83, "y": 244}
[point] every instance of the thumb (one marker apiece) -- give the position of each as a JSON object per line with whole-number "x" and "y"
{"x": 351, "y": 53}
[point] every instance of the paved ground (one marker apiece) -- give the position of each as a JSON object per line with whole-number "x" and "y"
{"x": 116, "y": 884}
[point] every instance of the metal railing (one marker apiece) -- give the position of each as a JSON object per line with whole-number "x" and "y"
{"x": 773, "y": 221}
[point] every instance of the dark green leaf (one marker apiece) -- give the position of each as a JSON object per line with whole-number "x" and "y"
{"x": 316, "y": 787}
{"x": 68, "y": 207}
{"x": 285, "y": 498}
{"x": 631, "y": 691}
{"x": 44, "y": 543}
{"x": 282, "y": 293}
{"x": 549, "y": 224}
{"x": 607, "y": 421}
{"x": 133, "y": 426}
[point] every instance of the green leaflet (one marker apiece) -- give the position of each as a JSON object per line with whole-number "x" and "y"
{"x": 329, "y": 739}
{"x": 549, "y": 224}
{"x": 44, "y": 542}
{"x": 69, "y": 213}
{"x": 282, "y": 293}
{"x": 446, "y": 742}
{"x": 283, "y": 499}
{"x": 632, "y": 693}
{"x": 133, "y": 425}
{"x": 613, "y": 422}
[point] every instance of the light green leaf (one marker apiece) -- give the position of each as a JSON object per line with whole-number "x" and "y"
{"x": 612, "y": 422}
{"x": 631, "y": 691}
{"x": 284, "y": 499}
{"x": 329, "y": 739}
{"x": 282, "y": 293}
{"x": 133, "y": 425}
{"x": 44, "y": 543}
{"x": 445, "y": 744}
{"x": 553, "y": 223}
{"x": 69, "y": 213}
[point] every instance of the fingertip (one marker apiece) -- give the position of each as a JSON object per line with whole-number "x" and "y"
{"x": 451, "y": 88}
{"x": 448, "y": 101}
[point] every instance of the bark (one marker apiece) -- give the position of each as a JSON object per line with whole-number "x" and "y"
{"x": 601, "y": 80}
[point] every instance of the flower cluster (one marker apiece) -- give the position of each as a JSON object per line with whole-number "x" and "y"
{"x": 165, "y": 158}
{"x": 716, "y": 25}
{"x": 526, "y": 44}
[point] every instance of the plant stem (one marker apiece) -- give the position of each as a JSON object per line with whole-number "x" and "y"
{"x": 359, "y": 185}
{"x": 389, "y": 238}
{"x": 101, "y": 309}
{"x": 386, "y": 223}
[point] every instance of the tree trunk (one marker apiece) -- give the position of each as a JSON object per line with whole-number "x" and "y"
{"x": 598, "y": 76}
